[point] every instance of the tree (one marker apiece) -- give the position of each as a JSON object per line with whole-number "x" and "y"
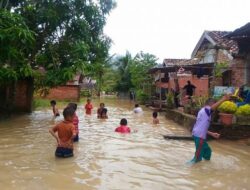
{"x": 68, "y": 35}
{"x": 124, "y": 81}
{"x": 139, "y": 69}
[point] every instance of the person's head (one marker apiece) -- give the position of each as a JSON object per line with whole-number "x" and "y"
{"x": 210, "y": 101}
{"x": 136, "y": 105}
{"x": 155, "y": 114}
{"x": 188, "y": 82}
{"x": 102, "y": 105}
{"x": 123, "y": 121}
{"x": 52, "y": 102}
{"x": 73, "y": 105}
{"x": 88, "y": 100}
{"x": 68, "y": 113}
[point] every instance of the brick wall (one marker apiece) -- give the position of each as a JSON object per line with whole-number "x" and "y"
{"x": 200, "y": 83}
{"x": 68, "y": 92}
{"x": 238, "y": 72}
{"x": 23, "y": 95}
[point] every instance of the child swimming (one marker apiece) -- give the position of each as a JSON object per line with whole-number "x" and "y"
{"x": 155, "y": 119}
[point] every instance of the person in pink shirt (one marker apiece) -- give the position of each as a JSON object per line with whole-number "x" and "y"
{"x": 88, "y": 107}
{"x": 123, "y": 128}
{"x": 75, "y": 121}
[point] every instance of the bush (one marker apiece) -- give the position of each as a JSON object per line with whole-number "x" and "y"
{"x": 227, "y": 107}
{"x": 142, "y": 97}
{"x": 243, "y": 110}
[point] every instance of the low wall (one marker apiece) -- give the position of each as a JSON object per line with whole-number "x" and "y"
{"x": 67, "y": 92}
{"x": 233, "y": 132}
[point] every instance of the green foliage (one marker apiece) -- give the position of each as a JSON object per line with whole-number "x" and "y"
{"x": 16, "y": 41}
{"x": 227, "y": 107}
{"x": 68, "y": 35}
{"x": 133, "y": 72}
{"x": 170, "y": 100}
{"x": 243, "y": 110}
{"x": 142, "y": 97}
{"x": 219, "y": 67}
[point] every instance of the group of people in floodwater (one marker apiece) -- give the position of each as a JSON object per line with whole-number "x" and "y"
{"x": 67, "y": 131}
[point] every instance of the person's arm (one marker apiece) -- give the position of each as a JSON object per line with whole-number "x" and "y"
{"x": 215, "y": 135}
{"x": 73, "y": 130}
{"x": 215, "y": 105}
{"x": 52, "y": 132}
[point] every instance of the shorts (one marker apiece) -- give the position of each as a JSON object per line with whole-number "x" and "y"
{"x": 202, "y": 150}
{"x": 64, "y": 152}
{"x": 76, "y": 139}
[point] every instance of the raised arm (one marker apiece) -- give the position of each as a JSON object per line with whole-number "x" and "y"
{"x": 224, "y": 98}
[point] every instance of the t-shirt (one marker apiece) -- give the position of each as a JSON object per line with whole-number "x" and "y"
{"x": 137, "y": 110}
{"x": 189, "y": 89}
{"x": 66, "y": 131}
{"x": 102, "y": 113}
{"x": 202, "y": 122}
{"x": 122, "y": 129}
{"x": 88, "y": 108}
{"x": 75, "y": 123}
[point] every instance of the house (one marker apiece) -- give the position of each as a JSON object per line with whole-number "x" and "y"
{"x": 242, "y": 57}
{"x": 214, "y": 48}
{"x": 70, "y": 91}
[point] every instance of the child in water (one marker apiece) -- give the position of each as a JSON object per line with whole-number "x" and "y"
{"x": 137, "y": 109}
{"x": 200, "y": 130}
{"x": 64, "y": 134}
{"x": 75, "y": 121}
{"x": 155, "y": 119}
{"x": 54, "y": 108}
{"x": 88, "y": 107}
{"x": 102, "y": 112}
{"x": 123, "y": 128}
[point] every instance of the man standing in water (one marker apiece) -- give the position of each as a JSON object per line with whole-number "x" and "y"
{"x": 200, "y": 130}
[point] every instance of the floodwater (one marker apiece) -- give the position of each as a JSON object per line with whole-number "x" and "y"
{"x": 107, "y": 160}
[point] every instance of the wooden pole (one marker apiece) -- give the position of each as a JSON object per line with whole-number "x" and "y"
{"x": 160, "y": 92}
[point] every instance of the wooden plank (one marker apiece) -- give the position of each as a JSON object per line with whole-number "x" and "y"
{"x": 178, "y": 137}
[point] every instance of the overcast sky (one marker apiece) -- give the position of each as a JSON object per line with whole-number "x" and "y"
{"x": 170, "y": 28}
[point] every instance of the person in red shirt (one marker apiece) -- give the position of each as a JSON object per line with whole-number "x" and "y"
{"x": 75, "y": 121}
{"x": 64, "y": 134}
{"x": 88, "y": 107}
{"x": 123, "y": 128}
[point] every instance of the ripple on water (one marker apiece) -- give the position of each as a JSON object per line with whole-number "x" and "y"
{"x": 107, "y": 160}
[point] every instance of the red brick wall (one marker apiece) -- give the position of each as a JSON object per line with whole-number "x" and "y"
{"x": 238, "y": 72}
{"x": 200, "y": 83}
{"x": 24, "y": 95}
{"x": 71, "y": 92}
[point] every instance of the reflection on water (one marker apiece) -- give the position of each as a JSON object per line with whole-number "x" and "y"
{"x": 107, "y": 160}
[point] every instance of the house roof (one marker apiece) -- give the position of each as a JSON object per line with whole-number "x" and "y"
{"x": 172, "y": 62}
{"x": 241, "y": 32}
{"x": 196, "y": 69}
{"x": 216, "y": 38}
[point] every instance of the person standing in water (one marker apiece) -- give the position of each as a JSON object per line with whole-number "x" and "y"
{"x": 155, "y": 119}
{"x": 137, "y": 109}
{"x": 75, "y": 121}
{"x": 54, "y": 108}
{"x": 64, "y": 133}
{"x": 123, "y": 128}
{"x": 88, "y": 107}
{"x": 200, "y": 130}
{"x": 102, "y": 112}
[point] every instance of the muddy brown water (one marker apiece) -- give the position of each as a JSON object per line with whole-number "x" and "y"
{"x": 107, "y": 160}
